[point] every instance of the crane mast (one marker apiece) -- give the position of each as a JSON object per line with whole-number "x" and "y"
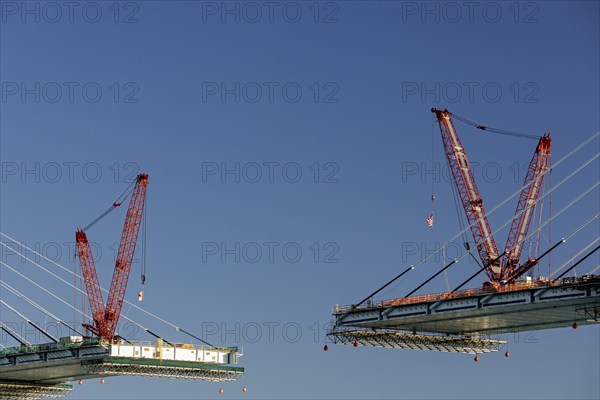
{"x": 106, "y": 316}
{"x": 469, "y": 196}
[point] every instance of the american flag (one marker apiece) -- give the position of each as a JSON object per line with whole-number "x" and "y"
{"x": 430, "y": 220}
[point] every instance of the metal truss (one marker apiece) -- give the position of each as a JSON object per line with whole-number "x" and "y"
{"x": 19, "y": 391}
{"x": 590, "y": 313}
{"x": 213, "y": 375}
{"x": 415, "y": 341}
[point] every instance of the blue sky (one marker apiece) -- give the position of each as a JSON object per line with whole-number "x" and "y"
{"x": 289, "y": 148}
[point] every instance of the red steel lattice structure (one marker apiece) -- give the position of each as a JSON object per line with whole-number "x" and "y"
{"x": 525, "y": 210}
{"x": 106, "y": 316}
{"x": 498, "y": 268}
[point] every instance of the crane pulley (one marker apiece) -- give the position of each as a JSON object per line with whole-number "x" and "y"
{"x": 505, "y": 268}
{"x": 106, "y": 315}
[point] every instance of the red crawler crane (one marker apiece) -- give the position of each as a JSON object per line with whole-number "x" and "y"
{"x": 503, "y": 268}
{"x": 106, "y": 316}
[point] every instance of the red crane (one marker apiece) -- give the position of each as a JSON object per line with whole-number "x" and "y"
{"x": 525, "y": 211}
{"x": 504, "y": 268}
{"x": 106, "y": 316}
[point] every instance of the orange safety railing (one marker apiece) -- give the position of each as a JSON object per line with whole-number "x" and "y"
{"x": 463, "y": 293}
{"x": 449, "y": 295}
{"x": 488, "y": 289}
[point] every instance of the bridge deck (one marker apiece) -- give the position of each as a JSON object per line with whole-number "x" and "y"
{"x": 476, "y": 314}
{"x": 63, "y": 362}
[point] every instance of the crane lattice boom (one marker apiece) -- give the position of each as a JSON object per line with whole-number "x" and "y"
{"x": 504, "y": 268}
{"x": 469, "y": 195}
{"x": 526, "y": 207}
{"x": 90, "y": 277}
{"x": 107, "y": 316}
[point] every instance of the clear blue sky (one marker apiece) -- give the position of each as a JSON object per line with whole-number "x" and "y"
{"x": 338, "y": 92}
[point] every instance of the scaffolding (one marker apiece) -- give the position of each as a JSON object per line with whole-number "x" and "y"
{"x": 416, "y": 341}
{"x": 32, "y": 391}
{"x": 590, "y": 313}
{"x": 139, "y": 368}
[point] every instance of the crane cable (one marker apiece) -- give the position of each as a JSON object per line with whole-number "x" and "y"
{"x": 114, "y": 205}
{"x": 433, "y": 189}
{"x": 550, "y": 207}
{"x": 494, "y": 130}
{"x": 143, "y": 269}
{"x": 461, "y": 223}
{"x": 487, "y": 129}
{"x": 432, "y": 161}
{"x": 117, "y": 203}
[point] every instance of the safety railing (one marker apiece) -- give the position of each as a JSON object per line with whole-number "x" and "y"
{"x": 465, "y": 293}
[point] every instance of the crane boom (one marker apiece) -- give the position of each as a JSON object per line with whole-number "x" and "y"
{"x": 469, "y": 196}
{"x": 107, "y": 316}
{"x": 131, "y": 229}
{"x": 507, "y": 268}
{"x": 90, "y": 277}
{"x": 526, "y": 207}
